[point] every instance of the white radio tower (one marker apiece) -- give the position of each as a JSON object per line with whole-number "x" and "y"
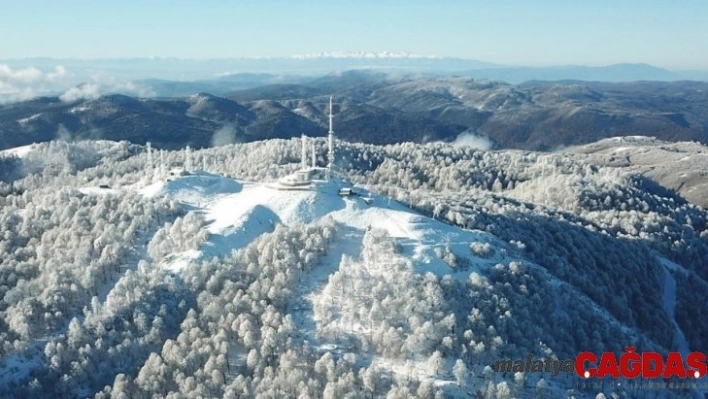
{"x": 330, "y": 155}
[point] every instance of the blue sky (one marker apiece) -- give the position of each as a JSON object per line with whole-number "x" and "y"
{"x": 540, "y": 32}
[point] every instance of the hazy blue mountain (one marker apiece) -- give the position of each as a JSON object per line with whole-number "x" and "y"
{"x": 292, "y": 69}
{"x": 610, "y": 73}
{"x": 372, "y": 106}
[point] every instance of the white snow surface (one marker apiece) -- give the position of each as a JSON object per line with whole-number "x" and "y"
{"x": 99, "y": 191}
{"x": 239, "y": 212}
{"x": 29, "y": 119}
{"x": 18, "y": 151}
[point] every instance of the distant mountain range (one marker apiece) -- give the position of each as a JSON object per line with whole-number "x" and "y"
{"x": 321, "y": 63}
{"x": 373, "y": 107}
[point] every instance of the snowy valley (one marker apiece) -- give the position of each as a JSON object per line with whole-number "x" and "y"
{"x": 118, "y": 281}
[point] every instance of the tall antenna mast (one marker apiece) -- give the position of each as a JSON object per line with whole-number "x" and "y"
{"x": 330, "y": 155}
{"x": 303, "y": 157}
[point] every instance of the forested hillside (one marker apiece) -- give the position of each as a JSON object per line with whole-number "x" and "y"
{"x": 376, "y": 108}
{"x": 116, "y": 283}
{"x": 676, "y": 166}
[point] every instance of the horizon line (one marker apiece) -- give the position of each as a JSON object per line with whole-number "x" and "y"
{"x": 345, "y": 55}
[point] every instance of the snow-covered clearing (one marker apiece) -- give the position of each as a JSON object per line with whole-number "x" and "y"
{"x": 239, "y": 212}
{"x": 99, "y": 191}
{"x": 18, "y": 151}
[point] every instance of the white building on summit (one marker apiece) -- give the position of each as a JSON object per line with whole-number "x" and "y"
{"x": 305, "y": 178}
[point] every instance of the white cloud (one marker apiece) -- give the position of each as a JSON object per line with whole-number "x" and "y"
{"x": 63, "y": 134}
{"x": 82, "y": 92}
{"x": 101, "y": 84}
{"x": 472, "y": 140}
{"x": 11, "y": 93}
{"x": 130, "y": 88}
{"x": 18, "y": 84}
{"x": 58, "y": 74}
{"x": 225, "y": 135}
{"x": 24, "y": 75}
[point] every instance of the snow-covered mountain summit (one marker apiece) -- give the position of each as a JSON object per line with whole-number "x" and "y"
{"x": 237, "y": 211}
{"x": 444, "y": 261}
{"x": 365, "y": 228}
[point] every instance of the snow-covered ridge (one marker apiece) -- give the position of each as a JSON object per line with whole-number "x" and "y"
{"x": 17, "y": 151}
{"x": 630, "y": 139}
{"x": 334, "y": 283}
{"x": 29, "y": 119}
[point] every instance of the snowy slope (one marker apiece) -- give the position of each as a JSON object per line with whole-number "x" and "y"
{"x": 237, "y": 213}
{"x": 260, "y": 274}
{"x": 17, "y": 151}
{"x": 238, "y": 218}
